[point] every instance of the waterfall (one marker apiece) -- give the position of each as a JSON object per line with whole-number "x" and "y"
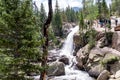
{"x": 70, "y": 72}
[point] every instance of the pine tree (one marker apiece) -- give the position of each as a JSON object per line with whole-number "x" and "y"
{"x": 105, "y": 10}
{"x": 64, "y": 17}
{"x": 42, "y": 15}
{"x": 116, "y": 6}
{"x": 18, "y": 39}
{"x": 81, "y": 23}
{"x": 57, "y": 21}
{"x": 68, "y": 13}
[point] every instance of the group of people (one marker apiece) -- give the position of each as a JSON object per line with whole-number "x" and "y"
{"x": 103, "y": 22}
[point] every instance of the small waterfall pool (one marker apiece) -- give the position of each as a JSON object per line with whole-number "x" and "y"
{"x": 70, "y": 72}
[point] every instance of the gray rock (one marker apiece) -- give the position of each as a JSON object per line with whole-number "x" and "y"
{"x": 96, "y": 70}
{"x": 64, "y": 59}
{"x": 56, "y": 69}
{"x": 82, "y": 56}
{"x": 116, "y": 40}
{"x": 104, "y": 75}
{"x": 96, "y": 52}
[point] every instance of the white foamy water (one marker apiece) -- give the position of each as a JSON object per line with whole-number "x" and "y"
{"x": 70, "y": 72}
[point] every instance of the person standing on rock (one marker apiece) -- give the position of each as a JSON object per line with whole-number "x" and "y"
{"x": 116, "y": 21}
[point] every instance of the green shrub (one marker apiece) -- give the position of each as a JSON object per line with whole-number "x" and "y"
{"x": 88, "y": 38}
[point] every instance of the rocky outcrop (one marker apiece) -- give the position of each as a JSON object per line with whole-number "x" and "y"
{"x": 77, "y": 42}
{"x": 56, "y": 69}
{"x": 66, "y": 28}
{"x": 116, "y": 40}
{"x": 96, "y": 60}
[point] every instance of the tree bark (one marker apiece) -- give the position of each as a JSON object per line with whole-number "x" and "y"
{"x": 45, "y": 44}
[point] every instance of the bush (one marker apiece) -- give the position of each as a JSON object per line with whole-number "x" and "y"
{"x": 108, "y": 39}
{"x": 88, "y": 38}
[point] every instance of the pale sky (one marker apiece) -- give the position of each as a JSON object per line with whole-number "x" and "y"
{"x": 63, "y": 3}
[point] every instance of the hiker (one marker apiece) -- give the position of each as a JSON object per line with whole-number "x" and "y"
{"x": 101, "y": 22}
{"x": 116, "y": 21}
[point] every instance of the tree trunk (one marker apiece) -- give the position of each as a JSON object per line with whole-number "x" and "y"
{"x": 45, "y": 44}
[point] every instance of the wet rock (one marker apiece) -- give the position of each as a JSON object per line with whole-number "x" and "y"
{"x": 56, "y": 69}
{"x": 51, "y": 58}
{"x": 104, "y": 75}
{"x": 64, "y": 59}
{"x": 77, "y": 42}
{"x": 66, "y": 28}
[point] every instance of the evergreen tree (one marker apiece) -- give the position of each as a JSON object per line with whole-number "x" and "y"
{"x": 105, "y": 10}
{"x": 71, "y": 14}
{"x": 68, "y": 13}
{"x": 42, "y": 15}
{"x": 57, "y": 21}
{"x": 81, "y": 23}
{"x": 116, "y": 6}
{"x": 64, "y": 17}
{"x": 99, "y": 8}
{"x": 18, "y": 39}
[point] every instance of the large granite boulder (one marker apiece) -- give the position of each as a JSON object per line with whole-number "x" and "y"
{"x": 82, "y": 56}
{"x": 77, "y": 42}
{"x": 66, "y": 28}
{"x": 116, "y": 40}
{"x": 104, "y": 75}
{"x": 96, "y": 70}
{"x": 115, "y": 67}
{"x": 56, "y": 69}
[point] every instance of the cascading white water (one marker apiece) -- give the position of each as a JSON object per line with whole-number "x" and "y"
{"x": 70, "y": 72}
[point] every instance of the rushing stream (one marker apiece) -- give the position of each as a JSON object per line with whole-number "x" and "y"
{"x": 70, "y": 72}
